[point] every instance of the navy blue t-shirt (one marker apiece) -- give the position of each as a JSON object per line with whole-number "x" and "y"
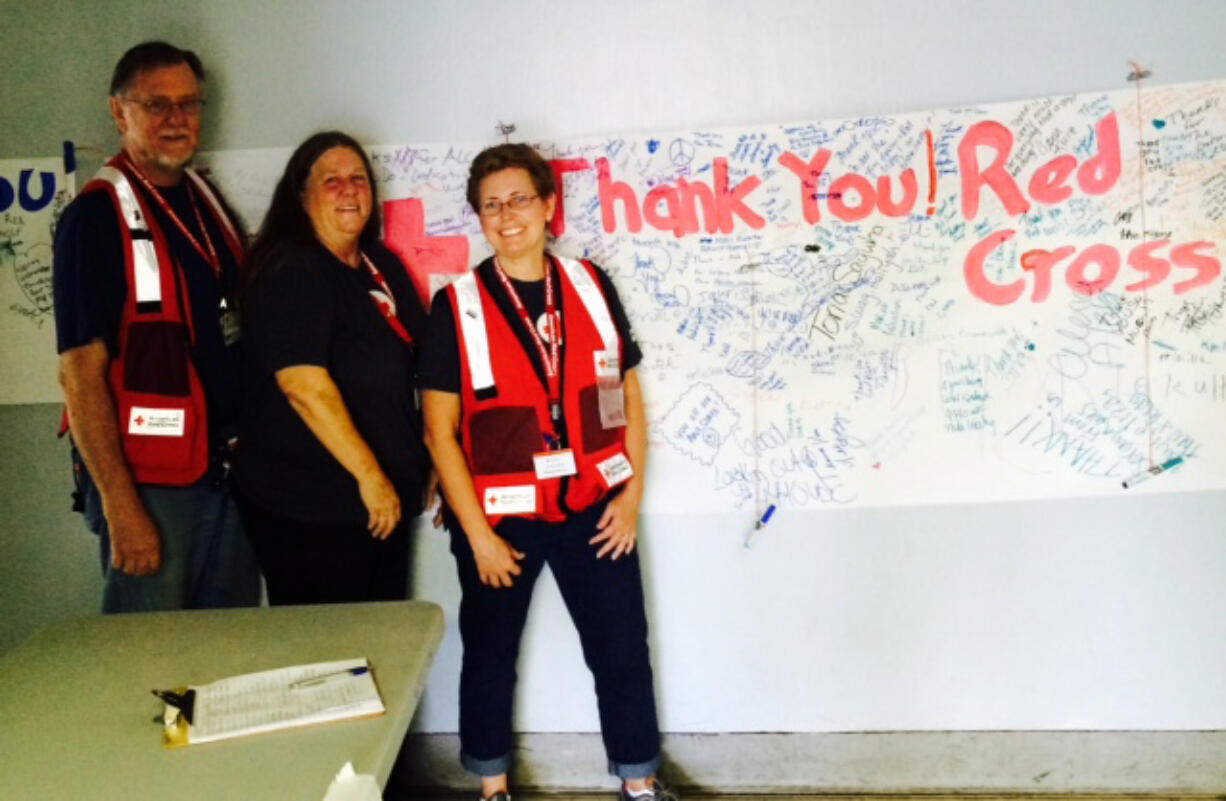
{"x": 90, "y": 287}
{"x": 313, "y": 310}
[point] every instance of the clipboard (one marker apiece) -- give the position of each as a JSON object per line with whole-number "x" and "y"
{"x": 269, "y": 700}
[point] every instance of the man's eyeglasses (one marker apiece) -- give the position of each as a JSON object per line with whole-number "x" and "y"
{"x": 492, "y": 208}
{"x": 161, "y": 107}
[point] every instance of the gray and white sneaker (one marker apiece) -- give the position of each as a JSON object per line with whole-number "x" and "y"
{"x": 501, "y": 795}
{"x": 659, "y": 791}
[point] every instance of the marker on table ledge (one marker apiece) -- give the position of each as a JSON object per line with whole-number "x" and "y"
{"x": 761, "y": 524}
{"x": 1153, "y": 471}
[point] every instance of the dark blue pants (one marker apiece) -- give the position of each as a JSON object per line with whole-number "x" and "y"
{"x": 312, "y": 563}
{"x": 605, "y": 601}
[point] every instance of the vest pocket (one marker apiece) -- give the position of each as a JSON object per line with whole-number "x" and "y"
{"x": 504, "y": 439}
{"x": 155, "y": 359}
{"x": 595, "y": 435}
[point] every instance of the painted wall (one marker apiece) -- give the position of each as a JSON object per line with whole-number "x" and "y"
{"x": 1072, "y": 614}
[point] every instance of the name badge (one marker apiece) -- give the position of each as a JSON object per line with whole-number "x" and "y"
{"x": 227, "y": 320}
{"x": 615, "y": 470}
{"x": 157, "y": 422}
{"x": 515, "y": 500}
{"x": 608, "y": 364}
{"x": 554, "y": 464}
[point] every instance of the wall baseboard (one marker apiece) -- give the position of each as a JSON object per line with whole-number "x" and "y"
{"x": 1049, "y": 763}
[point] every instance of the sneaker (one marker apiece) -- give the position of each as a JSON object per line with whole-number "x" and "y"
{"x": 501, "y": 795}
{"x": 659, "y": 792}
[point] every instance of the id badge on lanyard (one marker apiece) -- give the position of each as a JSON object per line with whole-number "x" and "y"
{"x": 554, "y": 461}
{"x": 227, "y": 319}
{"x": 554, "y": 464}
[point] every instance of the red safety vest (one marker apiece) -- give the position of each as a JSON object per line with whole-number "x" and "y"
{"x": 505, "y": 419}
{"x": 159, "y": 400}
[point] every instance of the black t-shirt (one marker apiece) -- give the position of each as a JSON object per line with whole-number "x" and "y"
{"x": 440, "y": 358}
{"x": 314, "y": 310}
{"x": 90, "y": 285}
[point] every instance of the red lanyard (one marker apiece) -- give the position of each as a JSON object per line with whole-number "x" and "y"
{"x": 550, "y": 358}
{"x": 210, "y": 254}
{"x": 387, "y": 306}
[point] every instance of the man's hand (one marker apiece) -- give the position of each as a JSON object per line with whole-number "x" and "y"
{"x": 136, "y": 547}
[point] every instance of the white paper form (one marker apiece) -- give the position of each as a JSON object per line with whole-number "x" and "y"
{"x": 284, "y": 697}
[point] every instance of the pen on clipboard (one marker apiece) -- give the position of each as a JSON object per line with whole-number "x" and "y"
{"x": 327, "y": 677}
{"x": 761, "y": 524}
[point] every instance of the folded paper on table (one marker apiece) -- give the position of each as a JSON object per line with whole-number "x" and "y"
{"x": 349, "y": 785}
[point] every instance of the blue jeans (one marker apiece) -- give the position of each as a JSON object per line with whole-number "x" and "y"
{"x": 207, "y": 563}
{"x": 605, "y": 601}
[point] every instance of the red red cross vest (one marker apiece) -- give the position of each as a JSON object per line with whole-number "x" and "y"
{"x": 505, "y": 408}
{"x": 159, "y": 400}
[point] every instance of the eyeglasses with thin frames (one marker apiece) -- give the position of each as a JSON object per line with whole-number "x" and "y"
{"x": 162, "y": 108}
{"x": 492, "y": 207}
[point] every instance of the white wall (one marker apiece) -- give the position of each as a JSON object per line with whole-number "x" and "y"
{"x": 1052, "y": 615}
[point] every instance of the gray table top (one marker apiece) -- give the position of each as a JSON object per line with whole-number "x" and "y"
{"x": 76, "y": 714}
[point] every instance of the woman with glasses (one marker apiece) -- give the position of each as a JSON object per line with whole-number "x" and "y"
{"x": 535, "y": 422}
{"x": 332, "y": 462}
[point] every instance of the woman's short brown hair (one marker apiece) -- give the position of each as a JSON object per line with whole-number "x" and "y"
{"x": 502, "y": 157}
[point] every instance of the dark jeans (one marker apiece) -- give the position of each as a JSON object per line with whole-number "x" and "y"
{"x": 605, "y": 601}
{"x": 307, "y": 563}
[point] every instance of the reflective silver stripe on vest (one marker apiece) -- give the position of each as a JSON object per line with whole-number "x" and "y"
{"x": 207, "y": 192}
{"x": 593, "y": 301}
{"x": 144, "y": 255}
{"x": 472, "y": 318}
{"x": 472, "y": 323}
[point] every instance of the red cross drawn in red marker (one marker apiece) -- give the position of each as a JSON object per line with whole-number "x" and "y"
{"x": 404, "y": 221}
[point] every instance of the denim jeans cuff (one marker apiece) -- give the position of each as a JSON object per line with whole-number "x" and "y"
{"x": 637, "y": 770}
{"x": 486, "y": 767}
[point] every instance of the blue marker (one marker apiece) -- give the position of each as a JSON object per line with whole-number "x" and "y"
{"x": 761, "y": 524}
{"x": 325, "y": 678}
{"x": 70, "y": 167}
{"x": 1153, "y": 471}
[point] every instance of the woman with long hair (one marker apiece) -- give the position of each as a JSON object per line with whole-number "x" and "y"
{"x": 332, "y": 463}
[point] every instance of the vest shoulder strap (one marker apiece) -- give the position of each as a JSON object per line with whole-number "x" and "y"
{"x": 219, "y": 211}
{"x": 146, "y": 273}
{"x": 593, "y": 300}
{"x": 466, "y": 295}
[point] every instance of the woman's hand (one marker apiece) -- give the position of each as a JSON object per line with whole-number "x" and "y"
{"x": 381, "y": 502}
{"x": 617, "y": 529}
{"x": 313, "y": 394}
{"x": 432, "y": 497}
{"x": 618, "y": 526}
{"x": 497, "y": 561}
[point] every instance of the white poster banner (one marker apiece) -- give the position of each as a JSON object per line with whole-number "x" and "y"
{"x": 1010, "y": 301}
{"x": 33, "y": 192}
